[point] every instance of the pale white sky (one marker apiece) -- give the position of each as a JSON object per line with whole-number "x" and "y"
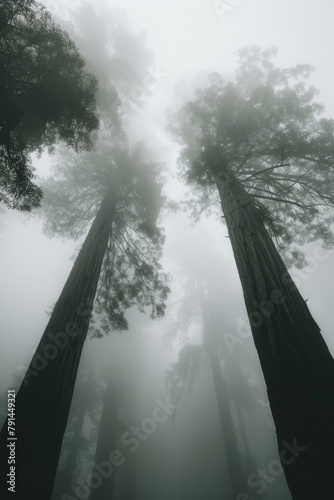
{"x": 189, "y": 35}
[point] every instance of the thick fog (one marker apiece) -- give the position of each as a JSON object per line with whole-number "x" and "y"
{"x": 148, "y": 393}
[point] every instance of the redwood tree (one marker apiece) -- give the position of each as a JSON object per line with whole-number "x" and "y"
{"x": 117, "y": 266}
{"x": 261, "y": 148}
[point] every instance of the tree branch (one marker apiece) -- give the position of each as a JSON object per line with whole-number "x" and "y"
{"x": 265, "y": 170}
{"x": 282, "y": 200}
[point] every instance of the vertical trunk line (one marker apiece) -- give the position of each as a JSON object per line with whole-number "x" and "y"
{"x": 106, "y": 441}
{"x": 234, "y": 462}
{"x": 296, "y": 363}
{"x": 44, "y": 398}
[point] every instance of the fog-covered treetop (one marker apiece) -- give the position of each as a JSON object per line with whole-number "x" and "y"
{"x": 267, "y": 129}
{"x": 131, "y": 273}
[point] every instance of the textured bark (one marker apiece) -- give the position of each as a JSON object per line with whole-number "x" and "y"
{"x": 44, "y": 398}
{"x": 296, "y": 363}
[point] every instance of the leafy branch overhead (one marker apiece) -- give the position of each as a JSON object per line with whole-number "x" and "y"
{"x": 131, "y": 273}
{"x": 267, "y": 129}
{"x": 46, "y": 96}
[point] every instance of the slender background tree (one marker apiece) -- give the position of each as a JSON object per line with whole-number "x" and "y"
{"x": 205, "y": 302}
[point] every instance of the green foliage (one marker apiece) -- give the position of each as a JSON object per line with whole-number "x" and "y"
{"x": 17, "y": 189}
{"x": 46, "y": 95}
{"x": 131, "y": 273}
{"x": 267, "y": 129}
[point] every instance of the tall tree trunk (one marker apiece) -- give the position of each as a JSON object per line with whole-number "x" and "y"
{"x": 44, "y": 398}
{"x": 235, "y": 466}
{"x": 106, "y": 442}
{"x": 296, "y": 363}
{"x": 249, "y": 466}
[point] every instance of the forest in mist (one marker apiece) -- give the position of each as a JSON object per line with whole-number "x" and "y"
{"x": 166, "y": 242}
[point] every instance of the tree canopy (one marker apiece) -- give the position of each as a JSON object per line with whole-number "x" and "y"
{"x": 46, "y": 96}
{"x": 265, "y": 127}
{"x": 131, "y": 274}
